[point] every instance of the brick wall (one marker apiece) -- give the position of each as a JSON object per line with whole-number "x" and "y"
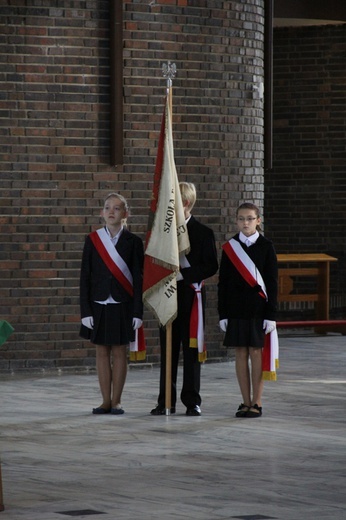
{"x": 306, "y": 191}
{"x": 54, "y": 88}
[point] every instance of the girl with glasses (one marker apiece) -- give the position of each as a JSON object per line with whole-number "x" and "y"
{"x": 247, "y": 301}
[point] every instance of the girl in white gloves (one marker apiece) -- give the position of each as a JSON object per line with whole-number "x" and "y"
{"x": 247, "y": 301}
{"x": 111, "y": 298}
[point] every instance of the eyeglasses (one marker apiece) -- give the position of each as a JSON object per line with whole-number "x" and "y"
{"x": 246, "y": 219}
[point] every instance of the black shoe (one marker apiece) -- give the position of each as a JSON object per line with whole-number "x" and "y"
{"x": 242, "y": 410}
{"x": 254, "y": 411}
{"x": 100, "y": 411}
{"x": 160, "y": 410}
{"x": 194, "y": 411}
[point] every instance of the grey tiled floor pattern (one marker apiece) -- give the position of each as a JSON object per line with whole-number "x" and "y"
{"x": 60, "y": 462}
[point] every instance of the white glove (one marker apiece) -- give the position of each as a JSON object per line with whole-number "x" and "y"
{"x": 88, "y": 322}
{"x": 136, "y": 323}
{"x": 223, "y": 325}
{"x": 269, "y": 326}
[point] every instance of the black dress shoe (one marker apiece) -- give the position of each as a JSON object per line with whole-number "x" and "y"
{"x": 195, "y": 411}
{"x": 242, "y": 410}
{"x": 160, "y": 410}
{"x": 99, "y": 410}
{"x": 254, "y": 411}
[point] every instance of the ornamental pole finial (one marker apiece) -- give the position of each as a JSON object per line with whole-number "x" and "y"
{"x": 169, "y": 71}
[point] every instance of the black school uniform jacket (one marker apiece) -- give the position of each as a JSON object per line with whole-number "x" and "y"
{"x": 97, "y": 282}
{"x": 236, "y": 298}
{"x": 203, "y": 262}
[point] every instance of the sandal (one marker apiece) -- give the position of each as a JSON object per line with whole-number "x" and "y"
{"x": 254, "y": 411}
{"x": 242, "y": 410}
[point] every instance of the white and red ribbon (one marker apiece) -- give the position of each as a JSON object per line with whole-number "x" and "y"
{"x": 270, "y": 356}
{"x": 196, "y": 323}
{"x": 246, "y": 267}
{"x": 196, "y": 316}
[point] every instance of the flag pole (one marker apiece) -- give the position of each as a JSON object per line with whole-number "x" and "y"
{"x": 168, "y": 391}
{"x": 169, "y": 71}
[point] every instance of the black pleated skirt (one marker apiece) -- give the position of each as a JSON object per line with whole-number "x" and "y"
{"x": 244, "y": 333}
{"x": 112, "y": 325}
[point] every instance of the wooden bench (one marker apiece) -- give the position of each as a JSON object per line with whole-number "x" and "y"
{"x": 308, "y": 265}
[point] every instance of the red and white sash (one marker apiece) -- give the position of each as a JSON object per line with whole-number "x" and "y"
{"x": 196, "y": 323}
{"x": 270, "y": 356}
{"x": 243, "y": 263}
{"x": 248, "y": 270}
{"x": 119, "y": 269}
{"x": 196, "y": 316}
{"x": 112, "y": 259}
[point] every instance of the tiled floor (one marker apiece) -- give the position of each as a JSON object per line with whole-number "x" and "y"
{"x": 60, "y": 462}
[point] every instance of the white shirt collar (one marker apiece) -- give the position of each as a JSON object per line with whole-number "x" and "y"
{"x": 116, "y": 237}
{"x": 251, "y": 238}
